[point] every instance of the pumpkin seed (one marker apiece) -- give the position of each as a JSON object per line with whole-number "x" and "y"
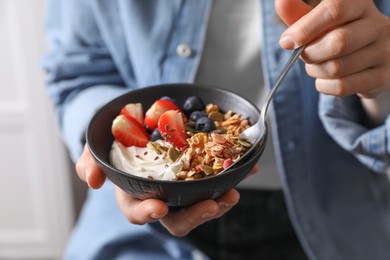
{"x": 173, "y": 154}
{"x": 206, "y": 169}
{"x": 155, "y": 147}
{"x": 244, "y": 143}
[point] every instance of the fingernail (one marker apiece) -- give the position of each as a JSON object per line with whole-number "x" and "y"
{"x": 206, "y": 215}
{"x": 154, "y": 216}
{"x": 286, "y": 42}
{"x": 224, "y": 204}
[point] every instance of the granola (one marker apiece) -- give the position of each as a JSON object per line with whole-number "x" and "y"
{"x": 209, "y": 153}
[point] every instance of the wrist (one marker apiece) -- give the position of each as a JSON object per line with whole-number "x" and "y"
{"x": 377, "y": 108}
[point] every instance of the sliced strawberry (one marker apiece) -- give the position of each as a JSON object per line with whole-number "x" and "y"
{"x": 171, "y": 127}
{"x": 129, "y": 132}
{"x": 156, "y": 110}
{"x": 134, "y": 110}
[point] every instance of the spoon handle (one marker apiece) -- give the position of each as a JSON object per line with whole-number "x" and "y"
{"x": 287, "y": 67}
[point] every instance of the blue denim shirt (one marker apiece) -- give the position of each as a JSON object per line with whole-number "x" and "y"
{"x": 332, "y": 167}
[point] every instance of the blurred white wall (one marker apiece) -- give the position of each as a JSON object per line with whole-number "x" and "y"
{"x": 36, "y": 206}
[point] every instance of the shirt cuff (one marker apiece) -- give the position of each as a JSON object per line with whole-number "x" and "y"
{"x": 78, "y": 112}
{"x": 343, "y": 119}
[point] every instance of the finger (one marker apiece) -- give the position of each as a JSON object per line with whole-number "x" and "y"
{"x": 179, "y": 223}
{"x": 347, "y": 65}
{"x": 322, "y": 18}
{"x": 82, "y": 164}
{"x": 89, "y": 171}
{"x": 254, "y": 170}
{"x": 291, "y": 10}
{"x": 226, "y": 203}
{"x": 342, "y": 41}
{"x": 356, "y": 83}
{"x": 139, "y": 211}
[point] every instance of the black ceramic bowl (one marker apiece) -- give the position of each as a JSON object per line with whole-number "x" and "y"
{"x": 174, "y": 193}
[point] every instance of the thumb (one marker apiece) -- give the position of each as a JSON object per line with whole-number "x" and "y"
{"x": 291, "y": 10}
{"x": 89, "y": 171}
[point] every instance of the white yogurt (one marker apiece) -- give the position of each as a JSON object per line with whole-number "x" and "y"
{"x": 144, "y": 162}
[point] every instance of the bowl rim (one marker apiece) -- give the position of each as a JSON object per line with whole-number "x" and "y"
{"x": 157, "y": 181}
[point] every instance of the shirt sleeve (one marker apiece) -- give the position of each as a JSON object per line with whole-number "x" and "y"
{"x": 81, "y": 74}
{"x": 343, "y": 119}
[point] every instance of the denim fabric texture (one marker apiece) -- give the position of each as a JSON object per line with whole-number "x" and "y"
{"x": 332, "y": 167}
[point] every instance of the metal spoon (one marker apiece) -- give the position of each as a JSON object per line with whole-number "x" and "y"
{"x": 258, "y": 130}
{"x": 257, "y": 133}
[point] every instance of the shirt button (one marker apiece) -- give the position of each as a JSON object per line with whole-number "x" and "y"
{"x": 183, "y": 50}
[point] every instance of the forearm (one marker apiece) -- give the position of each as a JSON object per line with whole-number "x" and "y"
{"x": 77, "y": 112}
{"x": 81, "y": 73}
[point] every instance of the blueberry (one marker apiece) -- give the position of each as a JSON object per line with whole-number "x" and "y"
{"x": 155, "y": 135}
{"x": 169, "y": 99}
{"x": 205, "y": 124}
{"x": 192, "y": 104}
{"x": 196, "y": 115}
